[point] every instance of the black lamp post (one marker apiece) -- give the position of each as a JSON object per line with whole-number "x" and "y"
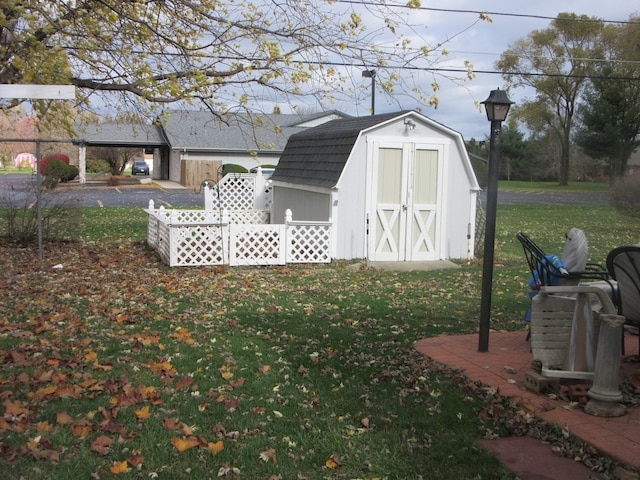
{"x": 497, "y": 107}
{"x": 372, "y": 75}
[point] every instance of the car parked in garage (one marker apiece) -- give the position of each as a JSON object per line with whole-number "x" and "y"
{"x": 140, "y": 166}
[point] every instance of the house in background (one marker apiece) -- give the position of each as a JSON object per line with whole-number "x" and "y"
{"x": 189, "y": 147}
{"x": 148, "y": 138}
{"x": 397, "y": 187}
{"x": 199, "y": 143}
{"x": 633, "y": 164}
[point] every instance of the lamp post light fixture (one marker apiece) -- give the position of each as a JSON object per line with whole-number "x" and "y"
{"x": 372, "y": 75}
{"x": 497, "y": 107}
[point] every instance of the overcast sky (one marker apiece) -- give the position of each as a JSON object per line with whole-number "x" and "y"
{"x": 482, "y": 45}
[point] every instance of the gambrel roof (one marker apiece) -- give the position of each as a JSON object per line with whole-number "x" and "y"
{"x": 318, "y": 155}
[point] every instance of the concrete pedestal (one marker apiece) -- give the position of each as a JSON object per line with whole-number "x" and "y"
{"x": 605, "y": 395}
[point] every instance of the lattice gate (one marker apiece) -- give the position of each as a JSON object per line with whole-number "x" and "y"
{"x": 257, "y": 245}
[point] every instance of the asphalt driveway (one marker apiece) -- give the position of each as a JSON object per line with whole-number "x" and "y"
{"x": 20, "y": 189}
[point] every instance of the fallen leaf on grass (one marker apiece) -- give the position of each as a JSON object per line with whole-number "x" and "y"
{"x": 102, "y": 445}
{"x": 232, "y": 404}
{"x": 63, "y": 418}
{"x": 215, "y": 447}
{"x": 183, "y": 444}
{"x": 135, "y": 460}
{"x": 119, "y": 467}
{"x": 184, "y": 382}
{"x": 81, "y": 429}
{"x": 333, "y": 462}
{"x": 15, "y": 408}
{"x": 237, "y": 382}
{"x": 44, "y": 427}
{"x": 268, "y": 455}
{"x": 171, "y": 423}
{"x": 228, "y": 471}
{"x": 91, "y": 357}
{"x": 143, "y": 413}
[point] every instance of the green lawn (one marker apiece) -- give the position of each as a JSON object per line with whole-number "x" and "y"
{"x": 554, "y": 186}
{"x": 117, "y": 362}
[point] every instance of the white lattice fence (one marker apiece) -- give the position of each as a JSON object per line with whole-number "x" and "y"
{"x": 164, "y": 242}
{"x": 251, "y": 217}
{"x": 308, "y": 243}
{"x": 198, "y": 217}
{"x": 234, "y": 191}
{"x": 245, "y": 191}
{"x": 257, "y": 245}
{"x": 197, "y": 237}
{"x": 153, "y": 235}
{"x": 199, "y": 245}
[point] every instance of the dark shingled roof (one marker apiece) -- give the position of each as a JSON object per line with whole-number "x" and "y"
{"x": 318, "y": 155}
{"x": 123, "y": 134}
{"x": 236, "y": 132}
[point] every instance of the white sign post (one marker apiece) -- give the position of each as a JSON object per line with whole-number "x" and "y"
{"x": 38, "y": 92}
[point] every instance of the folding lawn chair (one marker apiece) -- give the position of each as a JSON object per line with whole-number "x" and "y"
{"x": 551, "y": 271}
{"x": 564, "y": 313}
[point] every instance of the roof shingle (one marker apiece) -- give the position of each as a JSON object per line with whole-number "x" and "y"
{"x": 317, "y": 156}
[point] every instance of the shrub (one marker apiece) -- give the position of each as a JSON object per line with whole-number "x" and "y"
{"x": 19, "y": 220}
{"x": 114, "y": 180}
{"x": 72, "y": 172}
{"x": 46, "y": 160}
{"x": 54, "y": 173}
{"x": 232, "y": 168}
{"x": 625, "y": 196}
{"x": 58, "y": 171}
{"x": 98, "y": 166}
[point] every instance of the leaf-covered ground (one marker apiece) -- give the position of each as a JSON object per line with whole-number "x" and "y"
{"x": 115, "y": 364}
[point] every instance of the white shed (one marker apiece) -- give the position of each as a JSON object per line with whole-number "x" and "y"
{"x": 397, "y": 187}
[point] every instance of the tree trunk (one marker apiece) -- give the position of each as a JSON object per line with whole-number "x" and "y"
{"x": 564, "y": 162}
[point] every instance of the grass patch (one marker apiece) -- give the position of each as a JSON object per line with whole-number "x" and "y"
{"x": 554, "y": 186}
{"x": 118, "y": 361}
{"x": 112, "y": 223}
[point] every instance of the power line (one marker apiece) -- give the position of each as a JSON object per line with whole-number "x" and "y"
{"x": 481, "y": 12}
{"x": 415, "y": 68}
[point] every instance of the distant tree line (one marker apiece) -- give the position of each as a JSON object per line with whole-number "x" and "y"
{"x": 586, "y": 78}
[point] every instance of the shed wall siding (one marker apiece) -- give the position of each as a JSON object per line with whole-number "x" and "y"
{"x": 350, "y": 214}
{"x": 460, "y": 204}
{"x": 305, "y": 205}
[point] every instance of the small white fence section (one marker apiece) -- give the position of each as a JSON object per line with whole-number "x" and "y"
{"x": 237, "y": 237}
{"x": 239, "y": 191}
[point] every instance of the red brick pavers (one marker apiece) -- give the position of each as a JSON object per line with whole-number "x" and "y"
{"x": 503, "y": 367}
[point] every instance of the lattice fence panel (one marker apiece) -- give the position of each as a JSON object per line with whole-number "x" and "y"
{"x": 199, "y": 245}
{"x": 251, "y": 217}
{"x": 164, "y": 242}
{"x": 153, "y": 225}
{"x": 233, "y": 193}
{"x": 257, "y": 245}
{"x": 194, "y": 217}
{"x": 309, "y": 244}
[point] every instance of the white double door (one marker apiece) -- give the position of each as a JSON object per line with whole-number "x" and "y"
{"x": 407, "y": 184}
